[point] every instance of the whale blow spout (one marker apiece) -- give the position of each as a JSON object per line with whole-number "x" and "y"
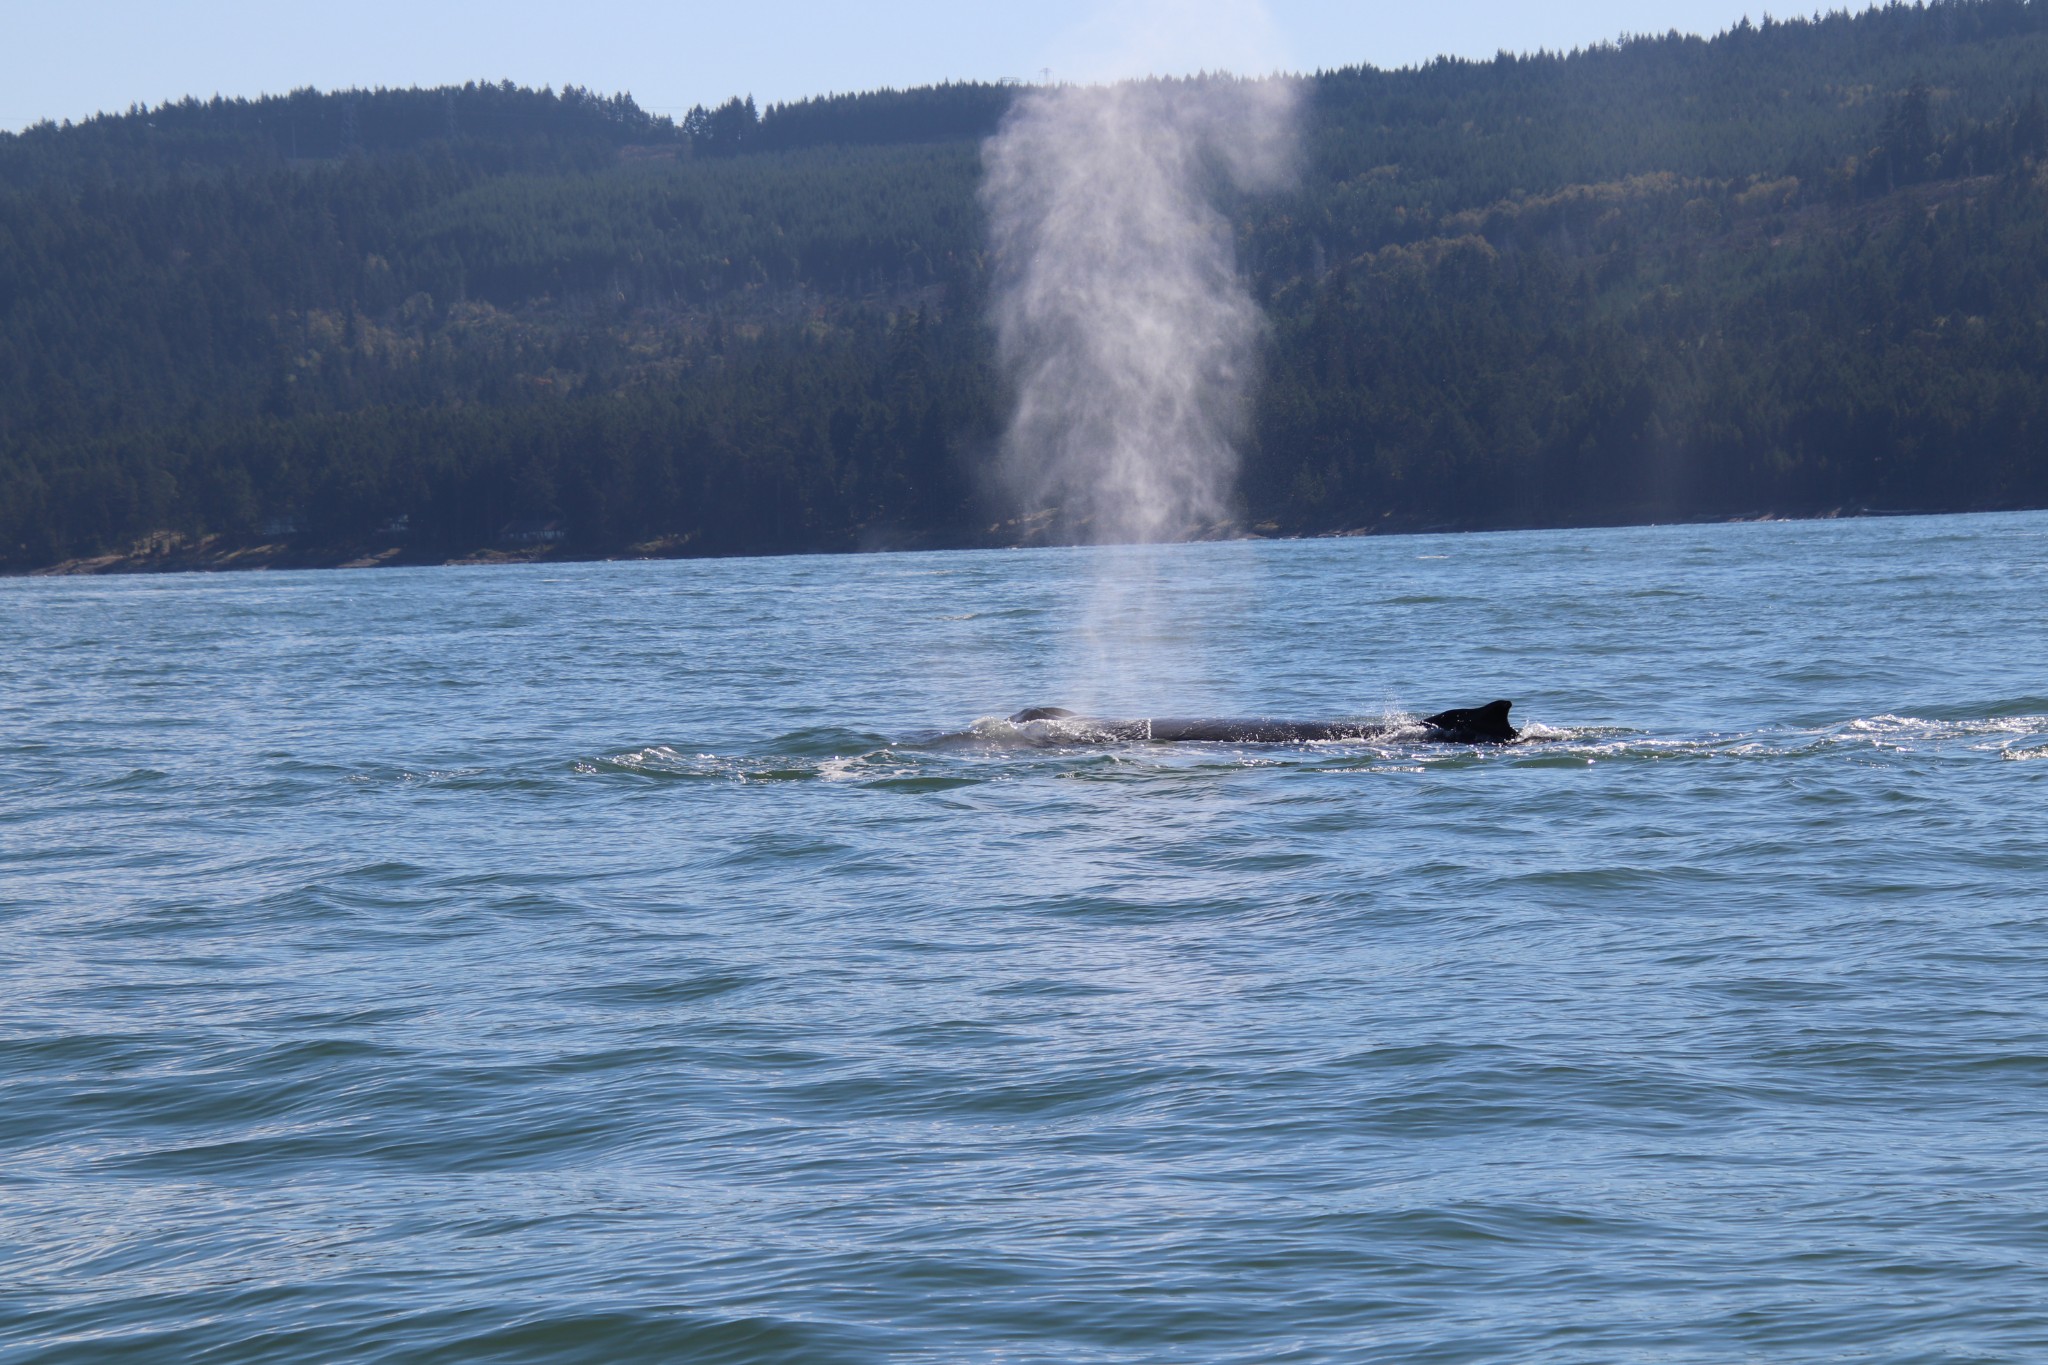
{"x": 1486, "y": 724}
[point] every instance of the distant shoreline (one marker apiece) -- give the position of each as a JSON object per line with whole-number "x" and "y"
{"x": 167, "y": 553}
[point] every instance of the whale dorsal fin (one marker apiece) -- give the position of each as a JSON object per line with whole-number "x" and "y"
{"x": 1486, "y": 724}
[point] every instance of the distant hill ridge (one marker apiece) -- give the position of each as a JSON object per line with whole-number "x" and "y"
{"x": 1798, "y": 267}
{"x": 309, "y": 125}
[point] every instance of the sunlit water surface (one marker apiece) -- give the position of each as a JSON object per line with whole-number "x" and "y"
{"x": 655, "y": 961}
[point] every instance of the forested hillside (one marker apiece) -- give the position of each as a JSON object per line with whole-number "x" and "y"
{"x": 1796, "y": 268}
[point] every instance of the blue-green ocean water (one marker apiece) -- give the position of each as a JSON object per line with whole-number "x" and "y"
{"x": 653, "y": 961}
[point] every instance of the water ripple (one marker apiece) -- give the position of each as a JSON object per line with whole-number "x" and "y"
{"x": 604, "y": 966}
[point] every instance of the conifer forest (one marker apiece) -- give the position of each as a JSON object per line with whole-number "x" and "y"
{"x": 1796, "y": 269}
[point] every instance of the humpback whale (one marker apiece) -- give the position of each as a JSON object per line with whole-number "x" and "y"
{"x": 1486, "y": 724}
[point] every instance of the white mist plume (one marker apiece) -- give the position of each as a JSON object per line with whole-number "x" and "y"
{"x": 1121, "y": 319}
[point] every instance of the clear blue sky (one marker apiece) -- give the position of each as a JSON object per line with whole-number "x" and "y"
{"x": 69, "y": 58}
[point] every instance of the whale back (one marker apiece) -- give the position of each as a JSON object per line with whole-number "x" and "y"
{"x": 1486, "y": 724}
{"x": 1030, "y": 714}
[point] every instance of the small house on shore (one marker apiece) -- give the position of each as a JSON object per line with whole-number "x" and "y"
{"x": 532, "y": 531}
